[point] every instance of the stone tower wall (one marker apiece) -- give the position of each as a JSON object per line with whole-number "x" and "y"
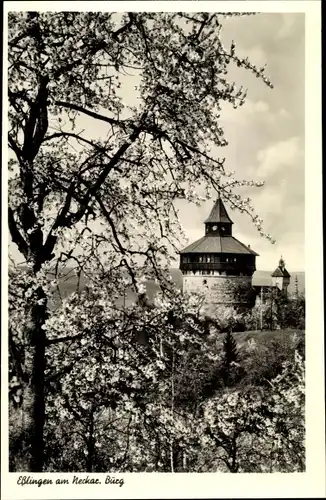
{"x": 221, "y": 290}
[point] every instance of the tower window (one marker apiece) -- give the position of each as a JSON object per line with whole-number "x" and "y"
{"x": 204, "y": 282}
{"x": 208, "y": 259}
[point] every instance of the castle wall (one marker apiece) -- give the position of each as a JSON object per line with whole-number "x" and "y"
{"x": 221, "y": 290}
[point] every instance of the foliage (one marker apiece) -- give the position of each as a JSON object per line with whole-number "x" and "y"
{"x": 262, "y": 361}
{"x": 258, "y": 430}
{"x": 109, "y": 400}
{"x": 228, "y": 318}
{"x": 276, "y": 312}
{"x": 229, "y": 359}
{"x": 131, "y": 428}
{"x": 291, "y": 311}
{"x": 98, "y": 386}
{"x": 65, "y": 65}
{"x": 198, "y": 377}
{"x": 106, "y": 374}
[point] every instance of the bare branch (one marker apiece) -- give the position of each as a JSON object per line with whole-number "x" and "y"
{"x": 64, "y": 339}
{"x": 97, "y": 116}
{"x": 74, "y": 136}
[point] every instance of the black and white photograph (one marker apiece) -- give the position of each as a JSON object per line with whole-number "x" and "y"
{"x": 156, "y": 195}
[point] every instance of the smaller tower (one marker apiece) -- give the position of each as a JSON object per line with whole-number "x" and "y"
{"x": 280, "y": 277}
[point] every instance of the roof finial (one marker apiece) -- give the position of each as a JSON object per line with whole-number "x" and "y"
{"x": 218, "y": 196}
{"x": 281, "y": 263}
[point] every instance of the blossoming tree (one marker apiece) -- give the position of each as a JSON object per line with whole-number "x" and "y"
{"x": 258, "y": 430}
{"x": 106, "y": 202}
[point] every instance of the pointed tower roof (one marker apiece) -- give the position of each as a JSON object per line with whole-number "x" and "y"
{"x": 280, "y": 271}
{"x": 218, "y": 213}
{"x": 218, "y": 243}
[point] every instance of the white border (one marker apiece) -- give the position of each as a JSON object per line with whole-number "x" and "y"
{"x": 312, "y": 482}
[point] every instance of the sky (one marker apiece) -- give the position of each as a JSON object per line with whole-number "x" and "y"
{"x": 266, "y": 138}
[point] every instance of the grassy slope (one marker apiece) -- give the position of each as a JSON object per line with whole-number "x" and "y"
{"x": 258, "y": 335}
{"x": 265, "y": 361}
{"x": 264, "y": 337}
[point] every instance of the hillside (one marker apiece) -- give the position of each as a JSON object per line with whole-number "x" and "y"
{"x": 259, "y": 278}
{"x": 265, "y": 337}
{"x": 69, "y": 284}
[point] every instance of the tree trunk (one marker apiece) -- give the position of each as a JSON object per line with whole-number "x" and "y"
{"x": 37, "y": 444}
{"x": 172, "y": 410}
{"x": 90, "y": 444}
{"x": 33, "y": 410}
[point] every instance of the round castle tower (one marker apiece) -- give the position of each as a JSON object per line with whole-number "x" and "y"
{"x": 219, "y": 264}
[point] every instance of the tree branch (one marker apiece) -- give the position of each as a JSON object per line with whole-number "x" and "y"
{"x": 75, "y": 136}
{"x": 15, "y": 234}
{"x": 64, "y": 339}
{"x": 80, "y": 109}
{"x": 101, "y": 178}
{"x": 124, "y": 28}
{"x": 61, "y": 219}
